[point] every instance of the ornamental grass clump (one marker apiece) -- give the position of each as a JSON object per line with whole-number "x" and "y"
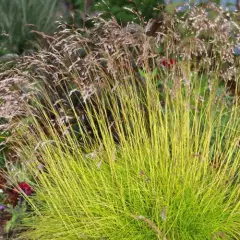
{"x": 129, "y": 135}
{"x": 79, "y": 60}
{"x": 163, "y": 166}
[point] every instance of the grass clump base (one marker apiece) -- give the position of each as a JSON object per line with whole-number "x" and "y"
{"x": 162, "y": 166}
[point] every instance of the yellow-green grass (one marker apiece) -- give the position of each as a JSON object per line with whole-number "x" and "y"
{"x": 157, "y": 170}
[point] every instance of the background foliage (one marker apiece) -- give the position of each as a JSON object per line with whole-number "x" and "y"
{"x": 19, "y": 17}
{"x": 123, "y": 10}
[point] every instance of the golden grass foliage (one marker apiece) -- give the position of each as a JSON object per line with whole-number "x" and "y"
{"x": 164, "y": 166}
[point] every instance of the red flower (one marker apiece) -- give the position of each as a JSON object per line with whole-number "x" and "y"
{"x": 168, "y": 62}
{"x": 172, "y": 62}
{"x": 13, "y": 195}
{"x": 26, "y": 188}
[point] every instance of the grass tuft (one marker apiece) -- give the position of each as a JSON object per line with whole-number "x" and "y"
{"x": 163, "y": 166}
